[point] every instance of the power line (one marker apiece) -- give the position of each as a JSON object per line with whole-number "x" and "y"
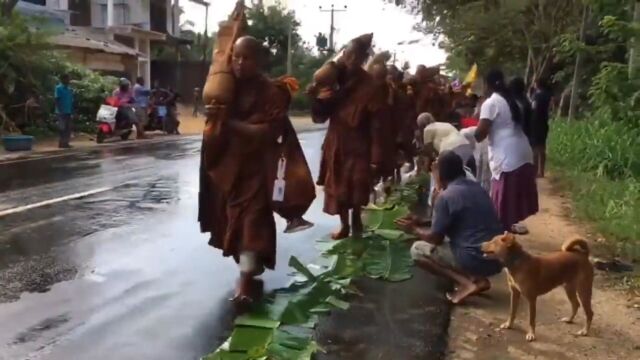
{"x": 332, "y": 28}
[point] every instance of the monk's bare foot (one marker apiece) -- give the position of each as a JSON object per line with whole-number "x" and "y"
{"x": 463, "y": 292}
{"x": 248, "y": 290}
{"x": 296, "y": 225}
{"x": 343, "y": 233}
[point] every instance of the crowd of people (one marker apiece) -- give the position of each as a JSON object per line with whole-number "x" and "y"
{"x": 137, "y": 105}
{"x": 478, "y": 150}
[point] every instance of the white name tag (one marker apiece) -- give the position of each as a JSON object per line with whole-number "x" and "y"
{"x": 278, "y": 190}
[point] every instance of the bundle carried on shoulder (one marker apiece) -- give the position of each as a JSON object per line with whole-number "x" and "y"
{"x": 220, "y": 83}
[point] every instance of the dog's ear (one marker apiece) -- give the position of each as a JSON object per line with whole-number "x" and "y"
{"x": 508, "y": 238}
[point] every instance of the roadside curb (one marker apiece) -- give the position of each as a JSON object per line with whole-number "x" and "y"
{"x": 38, "y": 155}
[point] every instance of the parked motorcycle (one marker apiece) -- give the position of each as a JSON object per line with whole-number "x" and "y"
{"x": 157, "y": 115}
{"x": 162, "y": 114}
{"x": 114, "y": 120}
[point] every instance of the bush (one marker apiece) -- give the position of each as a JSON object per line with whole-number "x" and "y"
{"x": 598, "y": 163}
{"x": 601, "y": 146}
{"x": 30, "y": 67}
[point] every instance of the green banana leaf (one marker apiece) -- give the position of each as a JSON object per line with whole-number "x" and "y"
{"x": 292, "y": 343}
{"x": 389, "y": 261}
{"x": 227, "y": 355}
{"x": 250, "y": 339}
{"x": 256, "y": 320}
{"x": 393, "y": 235}
{"x": 384, "y": 219}
{"x": 298, "y": 266}
{"x": 299, "y": 308}
{"x": 340, "y": 304}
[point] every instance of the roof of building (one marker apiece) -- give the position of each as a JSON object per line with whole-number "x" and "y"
{"x": 82, "y": 38}
{"x": 135, "y": 30}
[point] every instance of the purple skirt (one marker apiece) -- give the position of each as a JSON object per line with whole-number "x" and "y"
{"x": 515, "y": 195}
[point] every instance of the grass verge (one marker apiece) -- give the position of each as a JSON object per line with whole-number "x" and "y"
{"x": 597, "y": 162}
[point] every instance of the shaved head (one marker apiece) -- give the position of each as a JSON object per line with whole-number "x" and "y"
{"x": 250, "y": 44}
{"x": 247, "y": 55}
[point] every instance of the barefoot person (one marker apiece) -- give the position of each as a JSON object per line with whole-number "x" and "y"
{"x": 351, "y": 152}
{"x": 242, "y": 151}
{"x": 464, "y": 214}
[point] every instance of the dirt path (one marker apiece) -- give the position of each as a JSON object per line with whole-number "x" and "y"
{"x": 616, "y": 326}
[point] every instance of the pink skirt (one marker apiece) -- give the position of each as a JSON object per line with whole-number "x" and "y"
{"x": 515, "y": 195}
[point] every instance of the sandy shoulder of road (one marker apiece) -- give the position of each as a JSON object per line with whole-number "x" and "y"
{"x": 189, "y": 125}
{"x": 615, "y": 333}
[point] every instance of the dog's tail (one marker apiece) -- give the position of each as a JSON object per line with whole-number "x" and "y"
{"x": 576, "y": 244}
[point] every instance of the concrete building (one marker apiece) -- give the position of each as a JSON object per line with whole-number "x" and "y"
{"x": 113, "y": 36}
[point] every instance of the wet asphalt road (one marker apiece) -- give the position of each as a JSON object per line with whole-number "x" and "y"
{"x": 124, "y": 272}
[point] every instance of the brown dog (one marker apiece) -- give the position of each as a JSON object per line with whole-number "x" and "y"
{"x": 533, "y": 276}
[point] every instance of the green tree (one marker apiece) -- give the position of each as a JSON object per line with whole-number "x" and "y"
{"x": 272, "y": 25}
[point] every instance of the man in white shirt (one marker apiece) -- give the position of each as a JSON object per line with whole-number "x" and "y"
{"x": 440, "y": 136}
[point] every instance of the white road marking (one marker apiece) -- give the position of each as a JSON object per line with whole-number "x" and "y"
{"x": 53, "y": 201}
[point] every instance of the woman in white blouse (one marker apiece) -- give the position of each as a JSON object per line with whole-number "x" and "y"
{"x": 513, "y": 184}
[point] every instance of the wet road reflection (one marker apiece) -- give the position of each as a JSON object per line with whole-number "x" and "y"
{"x": 123, "y": 273}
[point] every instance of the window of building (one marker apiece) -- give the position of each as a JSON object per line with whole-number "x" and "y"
{"x": 37, "y": 2}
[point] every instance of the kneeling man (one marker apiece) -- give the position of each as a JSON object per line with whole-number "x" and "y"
{"x": 464, "y": 214}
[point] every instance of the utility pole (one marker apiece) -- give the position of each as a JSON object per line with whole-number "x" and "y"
{"x": 332, "y": 10}
{"x": 206, "y": 33}
{"x": 289, "y": 50}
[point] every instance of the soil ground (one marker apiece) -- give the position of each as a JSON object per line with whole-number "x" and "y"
{"x": 616, "y": 326}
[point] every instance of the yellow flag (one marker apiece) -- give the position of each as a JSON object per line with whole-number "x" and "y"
{"x": 472, "y": 75}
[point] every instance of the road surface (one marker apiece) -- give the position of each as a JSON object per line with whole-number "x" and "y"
{"x": 101, "y": 255}
{"x": 122, "y": 273}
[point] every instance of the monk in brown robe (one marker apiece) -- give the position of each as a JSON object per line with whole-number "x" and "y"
{"x": 388, "y": 124}
{"x": 239, "y": 154}
{"x": 404, "y": 112}
{"x": 352, "y": 151}
{"x": 429, "y": 95}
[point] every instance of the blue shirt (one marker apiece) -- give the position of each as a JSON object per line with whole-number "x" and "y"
{"x": 465, "y": 214}
{"x": 64, "y": 99}
{"x": 141, "y": 95}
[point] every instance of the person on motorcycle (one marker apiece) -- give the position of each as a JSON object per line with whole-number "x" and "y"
{"x": 172, "y": 111}
{"x": 127, "y": 101}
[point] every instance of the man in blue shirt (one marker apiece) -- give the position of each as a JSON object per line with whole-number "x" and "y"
{"x": 464, "y": 214}
{"x": 64, "y": 110}
{"x": 141, "y": 95}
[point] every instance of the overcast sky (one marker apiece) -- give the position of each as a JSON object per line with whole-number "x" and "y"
{"x": 389, "y": 24}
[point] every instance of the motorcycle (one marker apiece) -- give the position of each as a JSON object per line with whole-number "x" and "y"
{"x": 161, "y": 114}
{"x": 157, "y": 115}
{"x": 114, "y": 120}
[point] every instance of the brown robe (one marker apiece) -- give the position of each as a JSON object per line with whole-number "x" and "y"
{"x": 239, "y": 154}
{"x": 353, "y": 143}
{"x": 405, "y": 114}
{"x": 430, "y": 99}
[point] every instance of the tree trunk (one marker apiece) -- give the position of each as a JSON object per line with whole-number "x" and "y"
{"x": 576, "y": 70}
{"x": 7, "y": 7}
{"x": 635, "y": 43}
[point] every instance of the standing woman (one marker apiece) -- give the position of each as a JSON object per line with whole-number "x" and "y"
{"x": 540, "y": 125}
{"x": 518, "y": 90}
{"x": 513, "y": 184}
